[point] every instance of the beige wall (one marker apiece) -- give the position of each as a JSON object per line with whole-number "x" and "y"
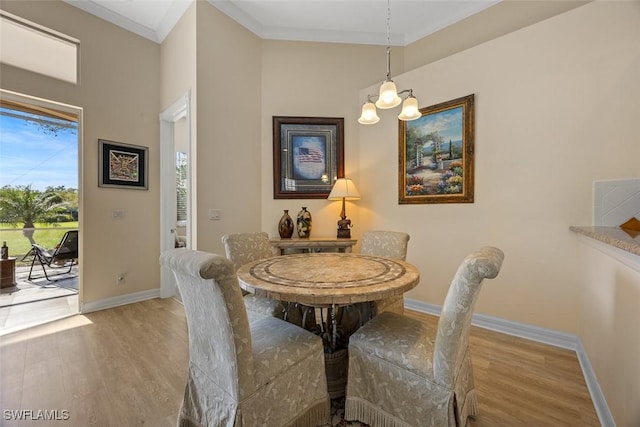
{"x": 493, "y": 22}
{"x": 316, "y": 80}
{"x": 178, "y": 55}
{"x": 178, "y": 59}
{"x": 610, "y": 315}
{"x": 556, "y": 109}
{"x": 119, "y": 94}
{"x": 228, "y": 132}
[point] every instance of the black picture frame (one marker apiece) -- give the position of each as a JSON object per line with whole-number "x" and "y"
{"x": 122, "y": 165}
{"x": 308, "y": 156}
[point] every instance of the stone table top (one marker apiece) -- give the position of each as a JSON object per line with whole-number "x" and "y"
{"x": 325, "y": 279}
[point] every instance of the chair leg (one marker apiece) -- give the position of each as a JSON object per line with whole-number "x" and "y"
{"x": 42, "y": 264}
{"x": 31, "y": 269}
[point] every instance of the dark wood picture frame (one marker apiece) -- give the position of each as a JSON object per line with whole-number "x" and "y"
{"x": 308, "y": 156}
{"x": 122, "y": 165}
{"x": 436, "y": 154}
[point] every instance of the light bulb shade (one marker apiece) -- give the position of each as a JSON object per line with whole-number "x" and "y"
{"x": 410, "y": 109}
{"x": 369, "y": 114}
{"x": 388, "y": 97}
{"x": 344, "y": 188}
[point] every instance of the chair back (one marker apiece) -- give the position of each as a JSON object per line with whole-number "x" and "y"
{"x": 242, "y": 248}
{"x": 454, "y": 325}
{"x": 219, "y": 334}
{"x": 68, "y": 246}
{"x": 392, "y": 244}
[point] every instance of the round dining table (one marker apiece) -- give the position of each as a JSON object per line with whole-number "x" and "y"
{"x": 328, "y": 279}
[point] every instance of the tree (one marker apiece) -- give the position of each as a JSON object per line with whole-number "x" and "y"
{"x": 66, "y": 200}
{"x": 49, "y": 125}
{"x": 21, "y": 204}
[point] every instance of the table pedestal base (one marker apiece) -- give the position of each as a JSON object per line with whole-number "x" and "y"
{"x": 336, "y": 366}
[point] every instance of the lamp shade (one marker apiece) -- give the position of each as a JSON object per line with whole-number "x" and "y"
{"x": 369, "y": 114}
{"x": 388, "y": 97}
{"x": 344, "y": 188}
{"x": 410, "y": 109}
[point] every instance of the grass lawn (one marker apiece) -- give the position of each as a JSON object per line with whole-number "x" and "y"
{"x": 45, "y": 235}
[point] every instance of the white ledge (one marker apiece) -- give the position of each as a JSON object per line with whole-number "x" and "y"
{"x": 628, "y": 254}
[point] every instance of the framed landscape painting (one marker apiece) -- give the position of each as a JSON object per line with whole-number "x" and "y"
{"x": 122, "y": 165}
{"x": 308, "y": 156}
{"x": 436, "y": 154}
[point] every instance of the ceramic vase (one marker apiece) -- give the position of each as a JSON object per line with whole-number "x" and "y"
{"x": 304, "y": 223}
{"x": 285, "y": 226}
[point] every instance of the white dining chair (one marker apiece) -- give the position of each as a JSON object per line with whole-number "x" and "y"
{"x": 403, "y": 373}
{"x": 391, "y": 244}
{"x": 267, "y": 372}
{"x": 241, "y": 248}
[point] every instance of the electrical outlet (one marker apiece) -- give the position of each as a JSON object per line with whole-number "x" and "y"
{"x": 214, "y": 214}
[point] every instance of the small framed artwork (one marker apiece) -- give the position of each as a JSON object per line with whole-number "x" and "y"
{"x": 436, "y": 154}
{"x": 308, "y": 156}
{"x": 122, "y": 165}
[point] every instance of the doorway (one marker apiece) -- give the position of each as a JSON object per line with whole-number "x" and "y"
{"x": 40, "y": 158}
{"x": 176, "y": 189}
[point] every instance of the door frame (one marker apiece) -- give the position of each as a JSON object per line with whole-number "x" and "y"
{"x": 178, "y": 110}
{"x": 77, "y": 111}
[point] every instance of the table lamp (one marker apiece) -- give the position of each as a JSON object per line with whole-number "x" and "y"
{"x": 344, "y": 189}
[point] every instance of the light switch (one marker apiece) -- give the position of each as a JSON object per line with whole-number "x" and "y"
{"x": 117, "y": 214}
{"x": 214, "y": 214}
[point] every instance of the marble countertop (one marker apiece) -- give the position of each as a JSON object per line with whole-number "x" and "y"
{"x": 614, "y": 236}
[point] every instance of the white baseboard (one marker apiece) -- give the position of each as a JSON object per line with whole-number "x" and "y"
{"x": 602, "y": 409}
{"x": 119, "y": 300}
{"x": 542, "y": 335}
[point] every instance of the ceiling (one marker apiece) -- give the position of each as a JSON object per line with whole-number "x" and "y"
{"x": 340, "y": 21}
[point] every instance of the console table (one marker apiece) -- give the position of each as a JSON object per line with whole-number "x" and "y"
{"x": 313, "y": 244}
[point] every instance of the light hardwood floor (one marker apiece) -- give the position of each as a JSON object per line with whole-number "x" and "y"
{"x": 126, "y": 366}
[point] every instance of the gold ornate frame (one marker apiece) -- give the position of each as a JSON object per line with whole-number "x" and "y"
{"x": 436, "y": 154}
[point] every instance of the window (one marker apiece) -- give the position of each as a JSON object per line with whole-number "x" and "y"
{"x": 30, "y": 46}
{"x": 181, "y": 187}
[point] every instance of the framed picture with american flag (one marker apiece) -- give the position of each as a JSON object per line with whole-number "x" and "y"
{"x": 308, "y": 156}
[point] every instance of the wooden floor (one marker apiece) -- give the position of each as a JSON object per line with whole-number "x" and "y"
{"x": 126, "y": 366}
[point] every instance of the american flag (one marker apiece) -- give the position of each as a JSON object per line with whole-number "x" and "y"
{"x": 310, "y": 155}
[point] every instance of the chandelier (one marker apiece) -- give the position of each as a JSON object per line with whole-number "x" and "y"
{"x": 389, "y": 97}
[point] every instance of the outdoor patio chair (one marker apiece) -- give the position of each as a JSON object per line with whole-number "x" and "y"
{"x": 63, "y": 256}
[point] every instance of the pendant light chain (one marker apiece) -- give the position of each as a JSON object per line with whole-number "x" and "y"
{"x": 388, "y": 39}
{"x": 388, "y": 96}
{"x": 388, "y": 22}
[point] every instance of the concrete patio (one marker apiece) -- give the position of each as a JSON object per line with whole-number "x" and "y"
{"x": 38, "y": 300}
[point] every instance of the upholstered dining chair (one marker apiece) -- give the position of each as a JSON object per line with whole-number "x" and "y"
{"x": 242, "y": 248}
{"x": 241, "y": 374}
{"x": 392, "y": 244}
{"x": 403, "y": 373}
